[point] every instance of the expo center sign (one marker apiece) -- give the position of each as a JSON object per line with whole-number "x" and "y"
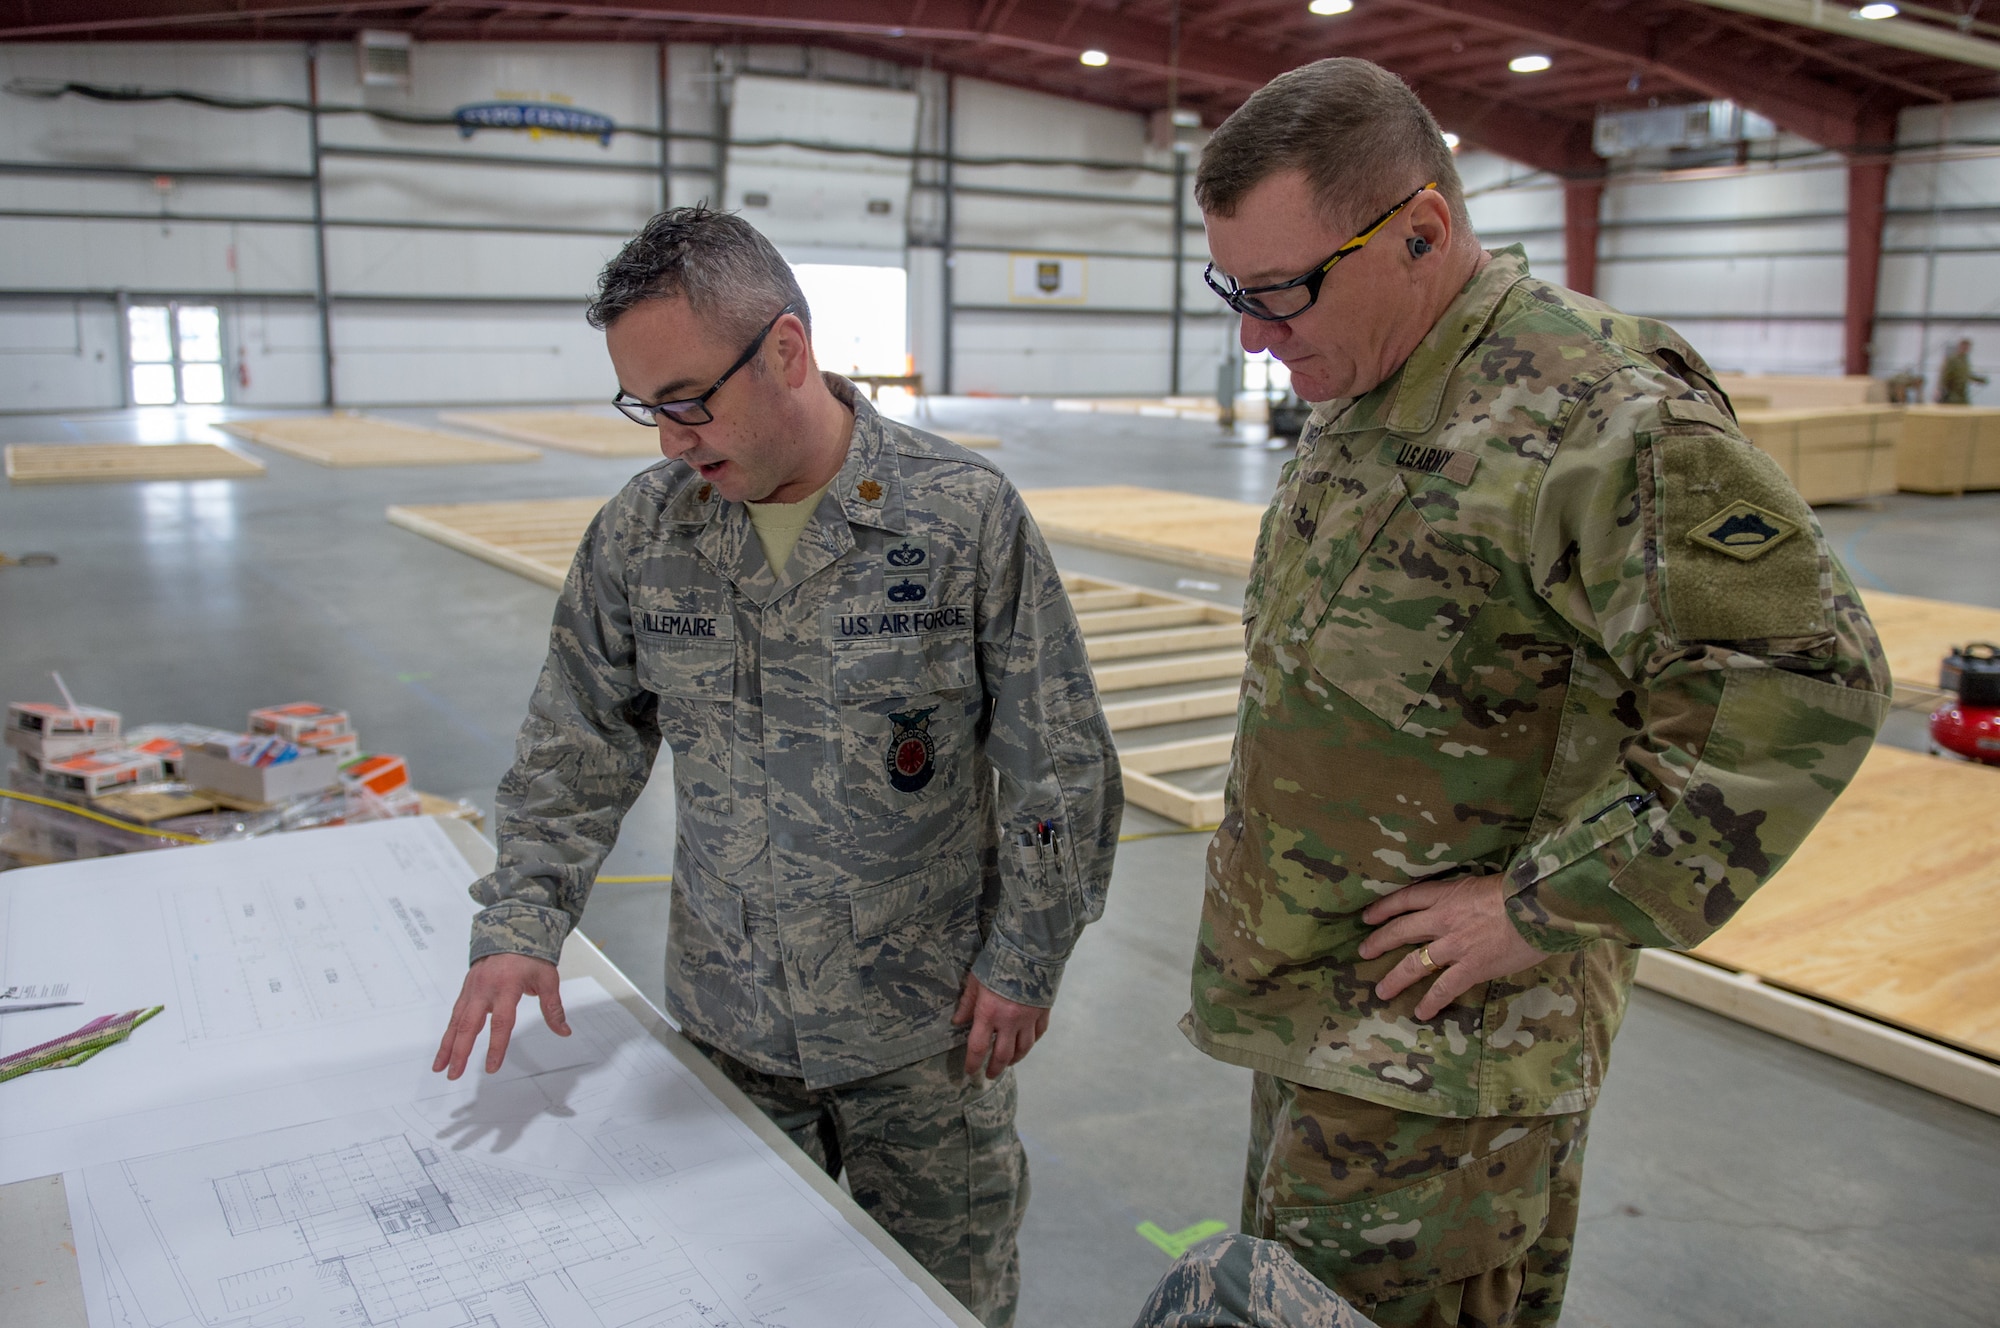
{"x": 535, "y": 118}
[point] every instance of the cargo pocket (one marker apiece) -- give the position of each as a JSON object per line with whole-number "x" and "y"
{"x": 915, "y": 938}
{"x": 696, "y": 684}
{"x": 996, "y": 1194}
{"x": 1480, "y": 1215}
{"x": 1398, "y": 615}
{"x": 903, "y": 706}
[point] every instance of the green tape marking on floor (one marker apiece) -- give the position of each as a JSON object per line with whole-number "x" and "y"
{"x": 1177, "y": 1243}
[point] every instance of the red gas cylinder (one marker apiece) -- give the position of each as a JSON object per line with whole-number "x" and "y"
{"x": 1970, "y": 726}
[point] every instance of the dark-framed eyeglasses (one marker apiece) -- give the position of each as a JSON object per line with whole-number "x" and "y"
{"x": 692, "y": 410}
{"x": 1289, "y": 299}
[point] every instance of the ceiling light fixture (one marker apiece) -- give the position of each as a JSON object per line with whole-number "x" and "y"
{"x": 1328, "y": 8}
{"x": 1529, "y": 64}
{"x": 1095, "y": 59}
{"x": 1873, "y": 12}
{"x": 1451, "y": 140}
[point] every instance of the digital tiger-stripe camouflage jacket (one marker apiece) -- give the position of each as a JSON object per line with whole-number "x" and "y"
{"x": 845, "y": 853}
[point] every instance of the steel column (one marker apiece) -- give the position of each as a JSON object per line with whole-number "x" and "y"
{"x": 948, "y": 237}
{"x": 1180, "y": 264}
{"x": 1867, "y": 192}
{"x": 321, "y": 299}
{"x": 1582, "y": 200}
{"x": 666, "y": 136}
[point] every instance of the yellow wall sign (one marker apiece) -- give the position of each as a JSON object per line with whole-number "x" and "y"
{"x": 1046, "y": 279}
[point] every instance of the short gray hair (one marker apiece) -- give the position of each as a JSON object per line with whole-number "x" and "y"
{"x": 1356, "y": 131}
{"x": 720, "y": 263}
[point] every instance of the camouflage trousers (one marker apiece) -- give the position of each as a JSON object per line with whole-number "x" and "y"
{"x": 1422, "y": 1221}
{"x": 1242, "y": 1282}
{"x": 930, "y": 1153}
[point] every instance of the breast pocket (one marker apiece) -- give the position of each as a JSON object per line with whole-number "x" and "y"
{"x": 906, "y": 708}
{"x": 1398, "y": 615}
{"x": 696, "y": 684}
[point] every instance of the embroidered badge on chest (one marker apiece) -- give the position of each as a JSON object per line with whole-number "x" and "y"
{"x": 912, "y": 751}
{"x": 1743, "y": 530}
{"x": 907, "y": 591}
{"x": 906, "y": 554}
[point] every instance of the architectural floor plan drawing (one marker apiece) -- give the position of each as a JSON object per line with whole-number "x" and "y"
{"x": 619, "y": 1193}
{"x": 279, "y": 961}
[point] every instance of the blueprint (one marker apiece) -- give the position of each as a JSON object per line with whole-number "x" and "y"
{"x": 614, "y": 1193}
{"x": 284, "y": 964}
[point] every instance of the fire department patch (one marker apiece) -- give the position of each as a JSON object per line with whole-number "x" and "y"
{"x": 912, "y": 751}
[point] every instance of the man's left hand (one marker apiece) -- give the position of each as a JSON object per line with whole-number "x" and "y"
{"x": 1003, "y": 1031}
{"x": 1464, "y": 925}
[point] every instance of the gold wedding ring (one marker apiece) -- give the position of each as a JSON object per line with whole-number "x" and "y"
{"x": 1430, "y": 965}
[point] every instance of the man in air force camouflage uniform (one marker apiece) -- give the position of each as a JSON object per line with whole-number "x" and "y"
{"x": 863, "y": 733}
{"x": 1545, "y": 664}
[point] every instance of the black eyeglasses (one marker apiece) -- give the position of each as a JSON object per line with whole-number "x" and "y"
{"x": 1289, "y": 299}
{"x": 691, "y": 410}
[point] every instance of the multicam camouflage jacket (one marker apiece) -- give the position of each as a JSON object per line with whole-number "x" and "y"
{"x": 1532, "y": 606}
{"x": 844, "y": 853}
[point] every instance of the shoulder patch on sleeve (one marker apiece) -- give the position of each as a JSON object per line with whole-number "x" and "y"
{"x": 1687, "y": 410}
{"x": 1737, "y": 559}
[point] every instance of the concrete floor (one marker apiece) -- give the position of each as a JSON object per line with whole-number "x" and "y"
{"x": 1733, "y": 1177}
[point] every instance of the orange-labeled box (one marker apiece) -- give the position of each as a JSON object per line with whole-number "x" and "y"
{"x": 296, "y": 719}
{"x": 94, "y": 774}
{"x": 377, "y": 774}
{"x": 345, "y": 744}
{"x": 49, "y": 731}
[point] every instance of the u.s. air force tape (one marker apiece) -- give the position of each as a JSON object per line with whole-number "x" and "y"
{"x": 901, "y": 622}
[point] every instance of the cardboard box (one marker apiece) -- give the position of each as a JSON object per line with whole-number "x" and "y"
{"x": 93, "y": 774}
{"x": 51, "y": 731}
{"x": 1839, "y": 454}
{"x": 346, "y": 745}
{"x": 204, "y": 769}
{"x": 377, "y": 774}
{"x": 298, "y": 718}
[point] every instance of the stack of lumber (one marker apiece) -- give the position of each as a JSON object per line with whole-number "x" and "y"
{"x": 1187, "y": 528}
{"x": 1949, "y": 449}
{"x": 1801, "y": 391}
{"x": 1837, "y": 454}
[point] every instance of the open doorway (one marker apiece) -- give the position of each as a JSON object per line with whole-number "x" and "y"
{"x": 860, "y": 316}
{"x": 175, "y": 352}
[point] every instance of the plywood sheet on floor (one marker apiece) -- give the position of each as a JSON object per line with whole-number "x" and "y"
{"x": 85, "y": 463}
{"x": 535, "y": 538}
{"x": 605, "y": 435}
{"x": 343, "y": 441}
{"x": 1918, "y": 633}
{"x": 1892, "y": 905}
{"x": 1187, "y": 528}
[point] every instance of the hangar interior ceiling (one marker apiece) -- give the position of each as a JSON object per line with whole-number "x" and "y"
{"x": 1854, "y": 234}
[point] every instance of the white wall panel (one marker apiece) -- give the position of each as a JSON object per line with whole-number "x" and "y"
{"x": 75, "y": 129}
{"x": 1765, "y": 345}
{"x": 445, "y": 264}
{"x": 276, "y": 342}
{"x": 1043, "y": 354}
{"x": 418, "y": 354}
{"x": 176, "y": 256}
{"x": 817, "y": 198}
{"x": 181, "y": 196}
{"x": 1110, "y": 283}
{"x": 58, "y": 355}
{"x": 1740, "y": 287}
{"x": 431, "y": 192}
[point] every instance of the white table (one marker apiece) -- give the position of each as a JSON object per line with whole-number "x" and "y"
{"x": 39, "y": 1285}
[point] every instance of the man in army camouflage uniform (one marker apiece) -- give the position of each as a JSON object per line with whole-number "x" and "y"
{"x": 1956, "y": 378}
{"x": 1546, "y": 664}
{"x": 896, "y": 795}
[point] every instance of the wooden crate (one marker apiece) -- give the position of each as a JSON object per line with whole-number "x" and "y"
{"x": 1949, "y": 449}
{"x": 354, "y": 441}
{"x": 1892, "y": 905}
{"x": 1834, "y": 455}
{"x": 97, "y": 463}
{"x": 1804, "y": 391}
{"x": 1187, "y": 528}
{"x": 592, "y": 433}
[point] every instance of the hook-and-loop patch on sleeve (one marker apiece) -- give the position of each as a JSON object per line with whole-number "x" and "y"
{"x": 1736, "y": 554}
